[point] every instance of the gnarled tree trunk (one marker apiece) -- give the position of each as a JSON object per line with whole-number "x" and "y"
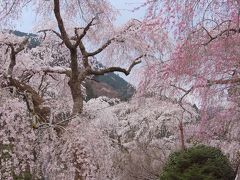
{"x": 76, "y": 91}
{"x": 75, "y": 84}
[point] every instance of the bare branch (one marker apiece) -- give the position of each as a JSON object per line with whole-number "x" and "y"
{"x": 180, "y": 102}
{"x": 35, "y": 99}
{"x": 222, "y": 33}
{"x": 61, "y": 27}
{"x": 83, "y": 49}
{"x": 207, "y": 32}
{"x": 59, "y": 70}
{"x": 15, "y": 48}
{"x": 104, "y": 46}
{"x": 50, "y": 30}
{"x": 118, "y": 69}
{"x": 85, "y": 30}
{"x": 12, "y": 61}
{"x": 182, "y": 89}
{"x": 223, "y": 82}
{"x": 186, "y": 93}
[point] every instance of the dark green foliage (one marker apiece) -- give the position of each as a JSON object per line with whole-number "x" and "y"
{"x": 198, "y": 163}
{"x": 33, "y": 39}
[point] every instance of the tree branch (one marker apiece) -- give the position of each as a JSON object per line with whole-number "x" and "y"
{"x": 15, "y": 49}
{"x": 108, "y": 43}
{"x": 182, "y": 89}
{"x": 221, "y": 34}
{"x": 223, "y": 82}
{"x": 84, "y": 54}
{"x": 59, "y": 70}
{"x": 104, "y": 46}
{"x": 61, "y": 27}
{"x": 185, "y": 94}
{"x": 118, "y": 69}
{"x": 85, "y": 30}
{"x": 50, "y": 30}
{"x": 207, "y": 32}
{"x": 36, "y": 99}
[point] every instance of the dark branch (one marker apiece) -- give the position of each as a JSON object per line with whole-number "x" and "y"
{"x": 85, "y": 30}
{"x": 223, "y": 82}
{"x": 117, "y": 69}
{"x": 15, "y": 48}
{"x": 185, "y": 94}
{"x": 104, "y": 46}
{"x": 182, "y": 89}
{"x": 50, "y": 30}
{"x": 222, "y": 33}
{"x": 58, "y": 70}
{"x": 180, "y": 101}
{"x": 84, "y": 53}
{"x": 207, "y": 32}
{"x": 61, "y": 27}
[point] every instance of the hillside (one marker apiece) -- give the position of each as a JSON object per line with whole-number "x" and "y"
{"x": 112, "y": 140}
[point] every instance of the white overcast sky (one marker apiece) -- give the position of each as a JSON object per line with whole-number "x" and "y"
{"x": 25, "y": 24}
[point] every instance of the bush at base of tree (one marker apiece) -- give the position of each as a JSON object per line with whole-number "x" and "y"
{"x": 198, "y": 163}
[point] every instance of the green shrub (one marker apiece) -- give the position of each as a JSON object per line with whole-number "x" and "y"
{"x": 198, "y": 163}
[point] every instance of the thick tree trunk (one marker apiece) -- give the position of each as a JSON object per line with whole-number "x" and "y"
{"x": 182, "y": 135}
{"x": 12, "y": 63}
{"x": 75, "y": 84}
{"x": 76, "y": 91}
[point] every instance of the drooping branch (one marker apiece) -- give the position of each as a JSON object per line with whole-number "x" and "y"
{"x": 180, "y": 103}
{"x": 222, "y": 33}
{"x": 105, "y": 45}
{"x": 219, "y": 82}
{"x": 208, "y": 33}
{"x": 117, "y": 69}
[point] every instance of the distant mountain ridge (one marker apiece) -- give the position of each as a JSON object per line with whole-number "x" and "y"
{"x": 110, "y": 85}
{"x": 32, "y": 38}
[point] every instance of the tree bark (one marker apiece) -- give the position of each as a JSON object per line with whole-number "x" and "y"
{"x": 76, "y": 91}
{"x": 75, "y": 84}
{"x": 12, "y": 62}
{"x": 182, "y": 135}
